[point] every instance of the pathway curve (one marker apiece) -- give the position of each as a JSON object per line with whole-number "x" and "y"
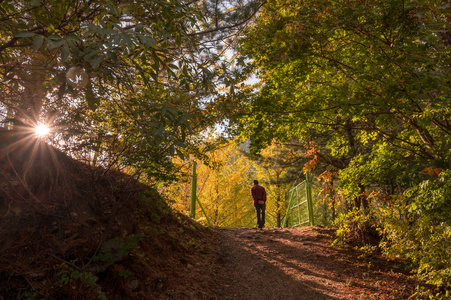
{"x": 299, "y": 264}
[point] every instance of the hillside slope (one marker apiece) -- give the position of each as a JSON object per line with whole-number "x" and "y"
{"x": 70, "y": 231}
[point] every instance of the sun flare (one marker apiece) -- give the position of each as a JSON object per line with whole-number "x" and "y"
{"x": 42, "y": 130}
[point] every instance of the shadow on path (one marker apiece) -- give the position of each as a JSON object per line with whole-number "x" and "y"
{"x": 290, "y": 264}
{"x": 258, "y": 265}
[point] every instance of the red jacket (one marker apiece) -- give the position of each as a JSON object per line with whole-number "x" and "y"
{"x": 258, "y": 193}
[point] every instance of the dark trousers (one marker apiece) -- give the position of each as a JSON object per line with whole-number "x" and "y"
{"x": 260, "y": 211}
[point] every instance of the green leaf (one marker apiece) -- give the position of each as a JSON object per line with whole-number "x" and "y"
{"x": 127, "y": 39}
{"x": 96, "y": 60}
{"x": 90, "y": 98}
{"x": 172, "y": 150}
{"x": 112, "y": 55}
{"x": 61, "y": 90}
{"x": 141, "y": 71}
{"x": 24, "y": 34}
{"x": 64, "y": 53}
{"x": 55, "y": 44}
{"x": 180, "y": 154}
{"x": 154, "y": 75}
{"x": 148, "y": 41}
{"x": 37, "y": 42}
{"x": 107, "y": 31}
{"x": 178, "y": 40}
{"x": 89, "y": 55}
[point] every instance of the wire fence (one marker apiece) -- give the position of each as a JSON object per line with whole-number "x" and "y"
{"x": 300, "y": 206}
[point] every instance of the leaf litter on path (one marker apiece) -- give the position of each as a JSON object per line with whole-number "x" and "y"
{"x": 300, "y": 263}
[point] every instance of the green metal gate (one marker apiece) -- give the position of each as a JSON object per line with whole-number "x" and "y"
{"x": 300, "y": 205}
{"x": 194, "y": 198}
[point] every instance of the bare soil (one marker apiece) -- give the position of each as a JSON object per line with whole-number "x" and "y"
{"x": 300, "y": 263}
{"x": 71, "y": 231}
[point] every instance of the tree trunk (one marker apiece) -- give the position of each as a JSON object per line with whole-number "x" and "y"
{"x": 279, "y": 224}
{"x": 333, "y": 201}
{"x": 278, "y": 203}
{"x": 362, "y": 197}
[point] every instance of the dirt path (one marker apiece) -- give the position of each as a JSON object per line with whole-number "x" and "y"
{"x": 301, "y": 264}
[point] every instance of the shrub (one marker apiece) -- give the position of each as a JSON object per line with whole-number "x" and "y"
{"x": 357, "y": 227}
{"x": 418, "y": 227}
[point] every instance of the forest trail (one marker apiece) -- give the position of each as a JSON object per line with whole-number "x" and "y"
{"x": 300, "y": 263}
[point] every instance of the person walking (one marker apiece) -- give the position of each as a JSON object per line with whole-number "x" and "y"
{"x": 258, "y": 194}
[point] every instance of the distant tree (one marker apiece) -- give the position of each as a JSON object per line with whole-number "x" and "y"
{"x": 275, "y": 172}
{"x": 223, "y": 184}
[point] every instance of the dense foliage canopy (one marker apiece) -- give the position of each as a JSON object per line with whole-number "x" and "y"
{"x": 366, "y": 86}
{"x": 118, "y": 81}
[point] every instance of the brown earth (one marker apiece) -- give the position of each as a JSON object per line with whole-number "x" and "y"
{"x": 300, "y": 263}
{"x": 71, "y": 231}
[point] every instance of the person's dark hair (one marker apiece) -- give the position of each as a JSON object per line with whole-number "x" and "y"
{"x": 255, "y": 181}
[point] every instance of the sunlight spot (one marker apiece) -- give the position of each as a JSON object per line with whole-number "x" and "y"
{"x": 42, "y": 130}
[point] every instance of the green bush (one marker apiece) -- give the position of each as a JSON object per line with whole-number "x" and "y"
{"x": 357, "y": 227}
{"x": 418, "y": 227}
